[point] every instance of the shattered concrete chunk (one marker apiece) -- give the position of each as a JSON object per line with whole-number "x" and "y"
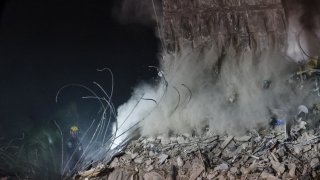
{"x": 314, "y": 162}
{"x": 297, "y": 149}
{"x": 231, "y": 176}
{"x": 153, "y": 176}
{"x": 165, "y": 141}
{"x": 182, "y": 140}
{"x": 302, "y": 125}
{"x": 152, "y": 153}
{"x": 212, "y": 176}
{"x": 119, "y": 174}
{"x": 216, "y": 152}
{"x": 195, "y": 174}
{"x": 278, "y": 167}
{"x": 134, "y": 155}
{"x": 180, "y": 161}
{"x": 139, "y": 160}
{"x": 151, "y": 139}
{"x": 292, "y": 170}
{"x": 226, "y": 142}
{"x": 234, "y": 170}
{"x": 173, "y": 139}
{"x": 222, "y": 167}
{"x": 149, "y": 168}
{"x": 190, "y": 149}
{"x": 268, "y": 176}
{"x": 149, "y": 162}
{"x": 145, "y": 141}
{"x": 244, "y": 170}
{"x": 242, "y": 138}
{"x": 162, "y": 158}
{"x": 307, "y": 148}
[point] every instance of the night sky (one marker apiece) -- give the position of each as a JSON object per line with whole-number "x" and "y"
{"x": 45, "y": 44}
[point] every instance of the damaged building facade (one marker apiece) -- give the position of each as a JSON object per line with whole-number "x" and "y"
{"x": 242, "y": 23}
{"x": 262, "y": 153}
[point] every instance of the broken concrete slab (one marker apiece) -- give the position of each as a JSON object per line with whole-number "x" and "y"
{"x": 278, "y": 167}
{"x": 162, "y": 158}
{"x": 226, "y": 142}
{"x": 195, "y": 174}
{"x": 242, "y": 138}
{"x": 180, "y": 161}
{"x": 153, "y": 176}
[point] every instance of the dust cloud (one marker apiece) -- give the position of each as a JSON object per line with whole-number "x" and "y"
{"x": 229, "y": 92}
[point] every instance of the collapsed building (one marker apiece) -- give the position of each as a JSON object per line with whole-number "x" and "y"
{"x": 241, "y": 35}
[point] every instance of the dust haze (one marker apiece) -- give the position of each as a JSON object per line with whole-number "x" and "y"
{"x": 224, "y": 91}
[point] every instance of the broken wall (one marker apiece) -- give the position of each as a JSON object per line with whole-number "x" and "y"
{"x": 253, "y": 24}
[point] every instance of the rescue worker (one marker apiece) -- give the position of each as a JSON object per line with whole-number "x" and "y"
{"x": 74, "y": 147}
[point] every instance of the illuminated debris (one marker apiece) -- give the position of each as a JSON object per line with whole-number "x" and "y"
{"x": 180, "y": 161}
{"x": 260, "y": 154}
{"x": 162, "y": 158}
{"x": 242, "y": 138}
{"x": 303, "y": 109}
{"x": 94, "y": 171}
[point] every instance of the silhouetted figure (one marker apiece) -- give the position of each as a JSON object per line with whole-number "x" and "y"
{"x": 74, "y": 148}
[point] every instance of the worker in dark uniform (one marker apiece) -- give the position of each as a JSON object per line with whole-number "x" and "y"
{"x": 74, "y": 148}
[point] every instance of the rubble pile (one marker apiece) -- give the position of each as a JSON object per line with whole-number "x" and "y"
{"x": 261, "y": 154}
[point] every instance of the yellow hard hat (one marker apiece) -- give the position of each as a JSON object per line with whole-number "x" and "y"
{"x": 74, "y": 128}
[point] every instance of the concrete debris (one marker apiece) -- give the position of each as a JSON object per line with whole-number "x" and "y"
{"x": 242, "y": 138}
{"x": 165, "y": 141}
{"x": 261, "y": 154}
{"x": 162, "y": 158}
{"x": 222, "y": 167}
{"x": 134, "y": 155}
{"x": 93, "y": 172}
{"x": 149, "y": 162}
{"x": 138, "y": 160}
{"x": 268, "y": 176}
{"x": 314, "y": 162}
{"x": 179, "y": 161}
{"x": 196, "y": 173}
{"x": 278, "y": 167}
{"x": 151, "y": 139}
{"x": 292, "y": 170}
{"x": 153, "y": 176}
{"x": 182, "y": 140}
{"x": 226, "y": 142}
{"x": 118, "y": 174}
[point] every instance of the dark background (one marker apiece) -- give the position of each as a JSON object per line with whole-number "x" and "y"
{"x": 46, "y": 44}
